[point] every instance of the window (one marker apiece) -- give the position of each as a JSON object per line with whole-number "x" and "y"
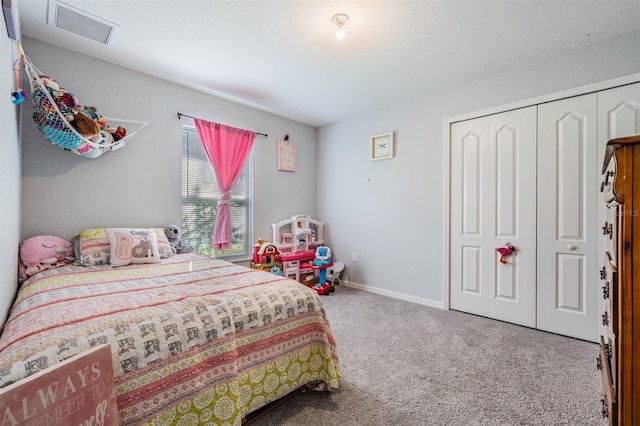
{"x": 200, "y": 202}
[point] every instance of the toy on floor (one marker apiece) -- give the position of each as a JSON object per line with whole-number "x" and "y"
{"x": 266, "y": 257}
{"x": 322, "y": 262}
{"x": 265, "y": 252}
{"x": 297, "y": 234}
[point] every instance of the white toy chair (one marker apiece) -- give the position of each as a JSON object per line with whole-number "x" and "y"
{"x": 333, "y": 273}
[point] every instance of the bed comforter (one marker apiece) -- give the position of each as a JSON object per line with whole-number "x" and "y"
{"x": 194, "y": 340}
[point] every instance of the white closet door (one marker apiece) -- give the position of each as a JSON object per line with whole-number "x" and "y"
{"x": 469, "y": 238}
{"x": 512, "y": 212}
{"x": 493, "y": 187}
{"x": 567, "y": 185}
{"x": 618, "y": 115}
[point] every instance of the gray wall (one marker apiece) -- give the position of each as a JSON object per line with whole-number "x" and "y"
{"x": 9, "y": 176}
{"x": 391, "y": 212}
{"x": 140, "y": 184}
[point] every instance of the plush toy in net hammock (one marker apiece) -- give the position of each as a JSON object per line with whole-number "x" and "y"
{"x": 71, "y": 125}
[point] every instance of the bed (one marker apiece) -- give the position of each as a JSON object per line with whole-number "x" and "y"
{"x": 194, "y": 340}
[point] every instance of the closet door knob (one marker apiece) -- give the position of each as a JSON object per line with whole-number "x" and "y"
{"x": 572, "y": 248}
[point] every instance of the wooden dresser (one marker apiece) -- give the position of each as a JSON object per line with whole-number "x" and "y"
{"x": 619, "y": 357}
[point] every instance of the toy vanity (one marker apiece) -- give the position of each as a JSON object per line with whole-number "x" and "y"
{"x": 297, "y": 238}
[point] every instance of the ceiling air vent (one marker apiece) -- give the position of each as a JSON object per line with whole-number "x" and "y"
{"x": 79, "y": 22}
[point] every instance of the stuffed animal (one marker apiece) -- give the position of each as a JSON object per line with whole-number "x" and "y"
{"x": 84, "y": 125}
{"x": 60, "y": 95}
{"x": 118, "y": 133}
{"x": 42, "y": 252}
{"x": 178, "y": 245}
{"x": 84, "y": 119}
{"x": 45, "y": 249}
{"x": 49, "y": 82}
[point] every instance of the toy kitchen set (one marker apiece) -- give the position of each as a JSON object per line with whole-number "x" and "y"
{"x": 293, "y": 248}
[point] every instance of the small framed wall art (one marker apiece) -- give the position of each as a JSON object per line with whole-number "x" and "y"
{"x": 382, "y": 146}
{"x": 286, "y": 156}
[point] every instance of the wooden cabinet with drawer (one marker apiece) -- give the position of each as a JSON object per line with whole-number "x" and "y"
{"x": 619, "y": 353}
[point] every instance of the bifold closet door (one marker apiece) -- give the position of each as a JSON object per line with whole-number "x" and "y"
{"x": 567, "y": 186}
{"x": 493, "y": 205}
{"x": 618, "y": 115}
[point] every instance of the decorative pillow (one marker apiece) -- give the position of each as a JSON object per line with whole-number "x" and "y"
{"x": 132, "y": 246}
{"x": 94, "y": 248}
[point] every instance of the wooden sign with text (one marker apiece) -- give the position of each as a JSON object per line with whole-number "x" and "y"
{"x": 77, "y": 392}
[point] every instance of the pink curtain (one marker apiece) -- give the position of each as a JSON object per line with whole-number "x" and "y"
{"x": 227, "y": 149}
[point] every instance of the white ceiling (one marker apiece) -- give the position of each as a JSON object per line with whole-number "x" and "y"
{"x": 283, "y": 57}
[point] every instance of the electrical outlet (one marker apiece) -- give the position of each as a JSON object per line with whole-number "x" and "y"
{"x": 354, "y": 258}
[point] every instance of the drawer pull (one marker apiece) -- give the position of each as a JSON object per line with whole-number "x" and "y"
{"x": 598, "y": 363}
{"x": 605, "y": 318}
{"x": 608, "y": 229}
{"x": 605, "y": 290}
{"x": 606, "y": 180}
{"x": 605, "y": 407}
{"x": 603, "y": 273}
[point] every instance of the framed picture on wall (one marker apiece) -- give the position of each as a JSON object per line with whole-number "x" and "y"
{"x": 382, "y": 146}
{"x": 286, "y": 156}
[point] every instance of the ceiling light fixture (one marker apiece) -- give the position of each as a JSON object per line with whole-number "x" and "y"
{"x": 340, "y": 20}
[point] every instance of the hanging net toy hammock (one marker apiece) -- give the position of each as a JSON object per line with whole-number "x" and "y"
{"x": 67, "y": 123}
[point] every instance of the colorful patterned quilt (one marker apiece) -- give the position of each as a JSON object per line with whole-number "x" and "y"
{"x": 194, "y": 340}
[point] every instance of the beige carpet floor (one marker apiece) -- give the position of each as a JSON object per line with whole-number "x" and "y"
{"x": 408, "y": 364}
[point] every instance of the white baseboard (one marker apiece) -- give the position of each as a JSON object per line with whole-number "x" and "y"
{"x": 395, "y": 295}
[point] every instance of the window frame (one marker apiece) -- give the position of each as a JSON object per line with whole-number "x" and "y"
{"x": 247, "y": 201}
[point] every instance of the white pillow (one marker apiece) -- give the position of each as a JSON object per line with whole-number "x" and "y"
{"x": 132, "y": 246}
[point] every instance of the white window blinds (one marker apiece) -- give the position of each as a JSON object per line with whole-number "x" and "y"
{"x": 199, "y": 201}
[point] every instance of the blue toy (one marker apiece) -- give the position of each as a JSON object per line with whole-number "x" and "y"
{"x": 276, "y": 270}
{"x": 323, "y": 256}
{"x": 321, "y": 263}
{"x": 18, "y": 97}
